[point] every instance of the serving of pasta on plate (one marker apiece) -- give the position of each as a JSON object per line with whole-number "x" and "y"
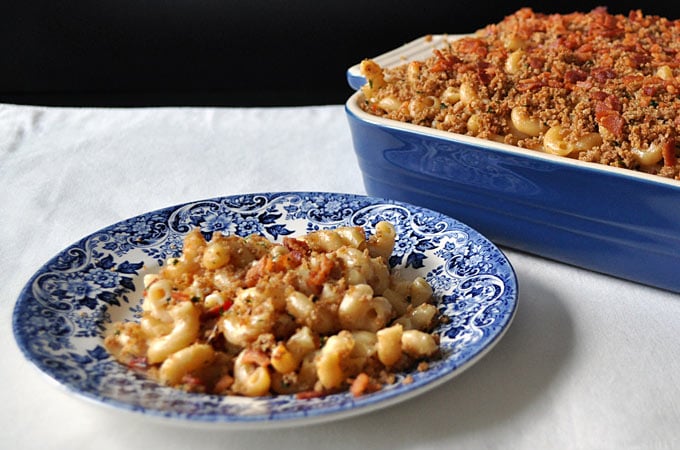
{"x": 309, "y": 316}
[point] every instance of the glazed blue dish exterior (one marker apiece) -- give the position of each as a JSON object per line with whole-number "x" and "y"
{"x": 614, "y": 221}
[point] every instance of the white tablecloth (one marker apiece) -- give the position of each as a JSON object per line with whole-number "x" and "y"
{"x": 589, "y": 362}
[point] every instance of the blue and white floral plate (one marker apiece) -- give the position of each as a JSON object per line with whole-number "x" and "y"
{"x": 62, "y": 314}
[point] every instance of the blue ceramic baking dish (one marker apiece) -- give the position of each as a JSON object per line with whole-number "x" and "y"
{"x": 614, "y": 221}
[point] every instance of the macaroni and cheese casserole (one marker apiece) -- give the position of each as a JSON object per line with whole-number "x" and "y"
{"x": 593, "y": 86}
{"x": 312, "y": 315}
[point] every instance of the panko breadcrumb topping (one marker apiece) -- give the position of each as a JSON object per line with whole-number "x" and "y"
{"x": 313, "y": 315}
{"x": 594, "y": 86}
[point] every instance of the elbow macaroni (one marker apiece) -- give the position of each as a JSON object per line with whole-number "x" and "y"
{"x": 245, "y": 316}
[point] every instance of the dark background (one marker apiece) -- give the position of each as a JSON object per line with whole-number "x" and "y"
{"x": 223, "y": 52}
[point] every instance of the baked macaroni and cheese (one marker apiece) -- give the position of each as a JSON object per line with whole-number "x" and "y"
{"x": 594, "y": 86}
{"x": 313, "y": 315}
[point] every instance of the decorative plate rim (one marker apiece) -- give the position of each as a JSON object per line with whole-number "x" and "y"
{"x": 63, "y": 311}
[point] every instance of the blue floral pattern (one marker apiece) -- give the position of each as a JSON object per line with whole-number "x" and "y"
{"x": 65, "y": 309}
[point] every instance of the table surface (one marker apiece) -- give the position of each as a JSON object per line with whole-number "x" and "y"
{"x": 589, "y": 362}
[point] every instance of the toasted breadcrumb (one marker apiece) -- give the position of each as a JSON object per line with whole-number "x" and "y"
{"x": 608, "y": 83}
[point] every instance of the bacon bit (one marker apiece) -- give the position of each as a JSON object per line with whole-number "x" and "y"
{"x": 613, "y": 122}
{"x": 632, "y": 80}
{"x": 602, "y": 74}
{"x": 268, "y": 264}
{"x": 586, "y": 48}
{"x": 536, "y": 62}
{"x": 650, "y": 91}
{"x": 252, "y": 356}
{"x": 574, "y": 76}
{"x": 570, "y": 42}
{"x": 254, "y": 274}
{"x": 582, "y": 56}
{"x": 608, "y": 112}
{"x": 537, "y": 82}
{"x": 359, "y": 385}
{"x": 485, "y": 72}
{"x": 444, "y": 61}
{"x": 223, "y": 384}
{"x": 605, "y": 25}
{"x": 306, "y": 395}
{"x": 284, "y": 262}
{"x": 637, "y": 60}
{"x": 635, "y": 15}
{"x": 363, "y": 384}
{"x": 138, "y": 363}
{"x": 179, "y": 296}
{"x": 473, "y": 46}
{"x": 217, "y": 311}
{"x": 598, "y": 95}
{"x": 655, "y": 49}
{"x": 319, "y": 276}
{"x": 653, "y": 87}
{"x": 192, "y": 382}
{"x": 296, "y": 246}
{"x": 606, "y": 103}
{"x": 146, "y": 290}
{"x": 525, "y": 13}
{"x": 668, "y": 152}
